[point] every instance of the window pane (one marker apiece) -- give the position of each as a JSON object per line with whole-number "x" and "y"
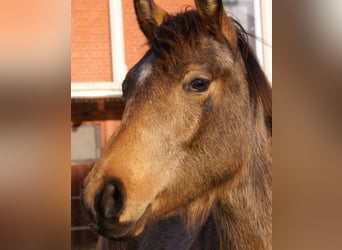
{"x": 243, "y": 11}
{"x": 256, "y": 18}
{"x": 85, "y": 143}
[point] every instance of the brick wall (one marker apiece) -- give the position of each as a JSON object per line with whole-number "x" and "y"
{"x": 90, "y": 41}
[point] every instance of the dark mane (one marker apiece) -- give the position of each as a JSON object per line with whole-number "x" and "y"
{"x": 257, "y": 82}
{"x": 177, "y": 34}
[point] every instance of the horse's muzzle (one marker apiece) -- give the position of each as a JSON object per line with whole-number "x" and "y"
{"x": 108, "y": 205}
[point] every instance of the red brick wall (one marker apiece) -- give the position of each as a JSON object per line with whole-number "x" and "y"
{"x": 90, "y": 41}
{"x": 135, "y": 42}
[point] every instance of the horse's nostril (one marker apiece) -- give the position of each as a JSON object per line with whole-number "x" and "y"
{"x": 110, "y": 201}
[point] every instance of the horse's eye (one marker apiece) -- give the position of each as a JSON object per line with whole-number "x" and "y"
{"x": 198, "y": 85}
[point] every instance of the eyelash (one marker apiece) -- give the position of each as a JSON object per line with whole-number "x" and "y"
{"x": 197, "y": 85}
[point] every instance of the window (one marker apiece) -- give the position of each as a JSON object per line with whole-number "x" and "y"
{"x": 85, "y": 143}
{"x": 256, "y": 17}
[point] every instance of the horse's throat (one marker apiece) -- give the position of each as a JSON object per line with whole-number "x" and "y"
{"x": 243, "y": 215}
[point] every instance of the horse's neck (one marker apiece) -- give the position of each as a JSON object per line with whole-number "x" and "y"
{"x": 244, "y": 215}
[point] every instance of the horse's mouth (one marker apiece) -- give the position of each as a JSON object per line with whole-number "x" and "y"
{"x": 113, "y": 229}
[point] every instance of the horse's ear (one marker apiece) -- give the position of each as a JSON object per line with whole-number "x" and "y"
{"x": 214, "y": 16}
{"x": 149, "y": 16}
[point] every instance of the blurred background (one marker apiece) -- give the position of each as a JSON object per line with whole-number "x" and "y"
{"x": 36, "y": 195}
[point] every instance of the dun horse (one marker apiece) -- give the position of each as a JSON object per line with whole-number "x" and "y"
{"x": 190, "y": 165}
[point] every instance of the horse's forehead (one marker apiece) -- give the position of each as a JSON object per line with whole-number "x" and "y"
{"x": 206, "y": 50}
{"x": 216, "y": 53}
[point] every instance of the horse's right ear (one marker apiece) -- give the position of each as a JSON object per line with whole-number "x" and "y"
{"x": 214, "y": 16}
{"x": 149, "y": 16}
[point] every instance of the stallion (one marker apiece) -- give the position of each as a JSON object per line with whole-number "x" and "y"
{"x": 190, "y": 165}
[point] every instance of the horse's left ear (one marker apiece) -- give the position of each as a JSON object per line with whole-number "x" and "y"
{"x": 213, "y": 14}
{"x": 149, "y": 16}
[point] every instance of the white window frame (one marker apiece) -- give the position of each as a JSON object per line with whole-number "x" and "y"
{"x": 262, "y": 16}
{"x": 119, "y": 67}
{"x": 263, "y": 33}
{"x": 266, "y": 14}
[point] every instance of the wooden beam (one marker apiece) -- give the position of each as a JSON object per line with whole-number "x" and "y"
{"x": 96, "y": 109}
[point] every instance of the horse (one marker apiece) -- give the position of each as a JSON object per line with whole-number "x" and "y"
{"x": 190, "y": 166}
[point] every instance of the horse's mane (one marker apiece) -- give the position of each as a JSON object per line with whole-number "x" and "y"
{"x": 183, "y": 30}
{"x": 257, "y": 81}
